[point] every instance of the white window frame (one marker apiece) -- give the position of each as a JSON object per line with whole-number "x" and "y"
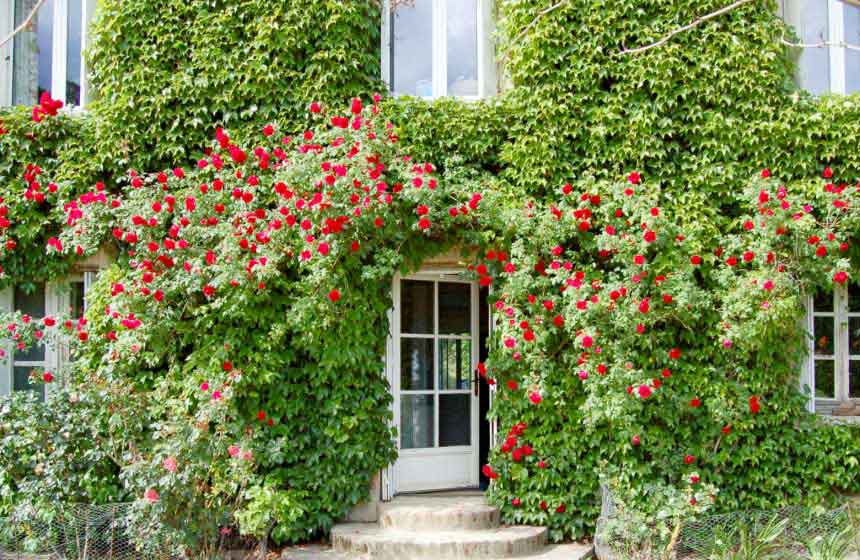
{"x": 57, "y": 301}
{"x": 59, "y": 69}
{"x": 835, "y": 34}
{"x": 487, "y": 85}
{"x": 841, "y": 356}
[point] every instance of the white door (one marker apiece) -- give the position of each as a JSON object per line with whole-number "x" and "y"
{"x": 435, "y": 353}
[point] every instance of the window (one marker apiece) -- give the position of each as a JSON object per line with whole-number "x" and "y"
{"x": 437, "y": 48}
{"x": 39, "y": 301}
{"x": 47, "y": 55}
{"x": 35, "y": 305}
{"x": 829, "y": 69}
{"x": 834, "y": 360}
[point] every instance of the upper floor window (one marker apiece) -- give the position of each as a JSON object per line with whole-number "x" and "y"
{"x": 437, "y": 48}
{"x": 830, "y": 69}
{"x": 834, "y": 360}
{"x": 47, "y": 55}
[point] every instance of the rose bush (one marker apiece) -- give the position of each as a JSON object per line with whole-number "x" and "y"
{"x": 238, "y": 338}
{"x": 629, "y": 347}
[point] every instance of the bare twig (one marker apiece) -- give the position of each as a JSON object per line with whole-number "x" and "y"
{"x": 24, "y": 24}
{"x": 537, "y": 18}
{"x": 852, "y": 2}
{"x": 695, "y": 23}
{"x": 820, "y": 45}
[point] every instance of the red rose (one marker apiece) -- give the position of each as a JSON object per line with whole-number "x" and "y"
{"x": 334, "y": 295}
{"x": 695, "y": 402}
{"x": 695, "y": 260}
{"x": 689, "y": 459}
{"x": 227, "y": 366}
{"x": 635, "y": 441}
{"x": 634, "y": 177}
{"x": 675, "y": 353}
{"x": 840, "y": 277}
{"x": 755, "y": 407}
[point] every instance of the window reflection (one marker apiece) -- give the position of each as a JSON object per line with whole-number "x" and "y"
{"x": 32, "y": 53}
{"x": 73, "y": 52}
{"x": 462, "y": 47}
{"x": 412, "y": 47}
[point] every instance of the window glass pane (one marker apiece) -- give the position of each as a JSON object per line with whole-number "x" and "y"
{"x": 31, "y": 303}
{"x": 462, "y": 47}
{"x": 73, "y": 53}
{"x": 825, "y": 382}
{"x": 852, "y": 57}
{"x": 823, "y": 301}
{"x": 32, "y": 53}
{"x": 416, "y": 364}
{"x": 416, "y": 307}
{"x": 412, "y": 47}
{"x": 810, "y": 21}
{"x": 21, "y": 381}
{"x": 33, "y": 354}
{"x": 854, "y": 335}
{"x": 417, "y": 421}
{"x": 854, "y": 379}
{"x": 455, "y": 363}
{"x": 854, "y": 298}
{"x": 455, "y": 426}
{"x": 823, "y": 336}
{"x": 455, "y": 315}
{"x": 76, "y": 299}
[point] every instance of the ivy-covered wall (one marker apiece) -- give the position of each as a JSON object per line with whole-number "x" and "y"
{"x": 696, "y": 117}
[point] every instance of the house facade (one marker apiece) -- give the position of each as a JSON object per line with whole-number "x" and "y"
{"x": 440, "y": 321}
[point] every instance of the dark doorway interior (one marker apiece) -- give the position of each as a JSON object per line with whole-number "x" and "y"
{"x": 484, "y": 397}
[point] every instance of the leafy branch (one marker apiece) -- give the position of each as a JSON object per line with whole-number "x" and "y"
{"x": 695, "y": 23}
{"x": 534, "y": 22}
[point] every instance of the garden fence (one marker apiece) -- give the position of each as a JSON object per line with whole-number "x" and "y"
{"x": 69, "y": 532}
{"x": 698, "y": 536}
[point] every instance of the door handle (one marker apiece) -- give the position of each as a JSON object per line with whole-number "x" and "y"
{"x": 476, "y": 383}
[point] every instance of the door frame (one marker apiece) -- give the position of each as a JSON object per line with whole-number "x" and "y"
{"x": 390, "y": 485}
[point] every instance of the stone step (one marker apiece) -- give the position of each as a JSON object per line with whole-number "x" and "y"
{"x": 398, "y": 544}
{"x": 422, "y": 513}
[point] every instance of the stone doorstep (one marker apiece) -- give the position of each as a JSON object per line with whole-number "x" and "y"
{"x": 431, "y": 513}
{"x": 398, "y": 544}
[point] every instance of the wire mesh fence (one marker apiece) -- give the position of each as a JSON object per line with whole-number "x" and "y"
{"x": 69, "y": 532}
{"x": 789, "y": 529}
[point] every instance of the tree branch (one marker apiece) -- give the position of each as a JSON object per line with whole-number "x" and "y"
{"x": 695, "y": 23}
{"x": 820, "y": 45}
{"x": 24, "y": 24}
{"x": 537, "y": 18}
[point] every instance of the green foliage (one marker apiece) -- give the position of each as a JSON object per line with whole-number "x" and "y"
{"x": 52, "y": 455}
{"x": 698, "y": 116}
{"x": 592, "y": 310}
{"x": 168, "y": 73}
{"x": 60, "y": 147}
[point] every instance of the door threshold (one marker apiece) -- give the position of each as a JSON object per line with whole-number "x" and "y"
{"x": 450, "y": 492}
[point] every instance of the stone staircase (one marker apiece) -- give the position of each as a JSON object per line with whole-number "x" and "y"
{"x": 423, "y": 527}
